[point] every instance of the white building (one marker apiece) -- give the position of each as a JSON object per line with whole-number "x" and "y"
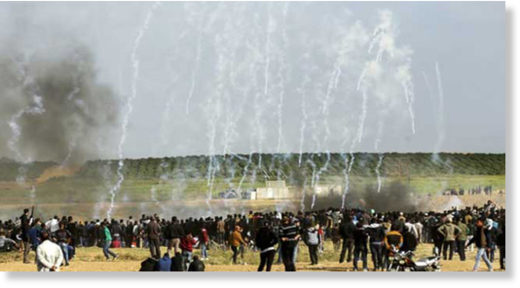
{"x": 273, "y": 190}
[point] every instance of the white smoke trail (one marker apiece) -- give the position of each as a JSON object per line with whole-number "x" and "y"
{"x": 302, "y": 202}
{"x": 129, "y": 105}
{"x": 267, "y": 62}
{"x": 378, "y": 173}
{"x": 313, "y": 177}
{"x": 405, "y": 76}
{"x": 349, "y": 162}
{"x": 305, "y": 116}
{"x": 380, "y": 155}
{"x": 194, "y": 71}
{"x": 281, "y": 71}
{"x": 440, "y": 112}
{"x": 33, "y": 194}
{"x": 331, "y": 87}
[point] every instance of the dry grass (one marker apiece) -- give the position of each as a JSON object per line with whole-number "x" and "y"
{"x": 92, "y": 259}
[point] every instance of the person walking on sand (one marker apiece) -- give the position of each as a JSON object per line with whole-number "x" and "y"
{"x": 107, "y": 242}
{"x": 481, "y": 240}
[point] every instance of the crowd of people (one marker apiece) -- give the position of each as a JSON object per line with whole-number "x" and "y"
{"x": 354, "y": 233}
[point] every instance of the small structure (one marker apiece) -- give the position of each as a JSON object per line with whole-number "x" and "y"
{"x": 273, "y": 190}
{"x": 250, "y": 194}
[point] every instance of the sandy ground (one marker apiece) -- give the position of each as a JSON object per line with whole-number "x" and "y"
{"x": 91, "y": 259}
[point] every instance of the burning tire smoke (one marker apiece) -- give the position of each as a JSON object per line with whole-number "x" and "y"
{"x": 62, "y": 111}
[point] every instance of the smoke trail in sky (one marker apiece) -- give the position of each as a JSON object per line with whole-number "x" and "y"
{"x": 440, "y": 111}
{"x": 129, "y": 105}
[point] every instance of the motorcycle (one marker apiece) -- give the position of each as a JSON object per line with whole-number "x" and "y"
{"x": 402, "y": 261}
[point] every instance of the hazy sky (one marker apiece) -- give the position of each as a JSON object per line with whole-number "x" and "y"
{"x": 276, "y": 77}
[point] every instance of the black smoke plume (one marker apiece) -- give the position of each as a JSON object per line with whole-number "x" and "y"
{"x": 394, "y": 196}
{"x": 75, "y": 116}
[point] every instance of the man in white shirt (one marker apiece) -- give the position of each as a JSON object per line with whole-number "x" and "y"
{"x": 48, "y": 255}
{"x": 53, "y": 224}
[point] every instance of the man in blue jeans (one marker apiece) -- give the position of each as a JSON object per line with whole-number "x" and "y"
{"x": 481, "y": 240}
{"x": 107, "y": 243}
{"x": 63, "y": 237}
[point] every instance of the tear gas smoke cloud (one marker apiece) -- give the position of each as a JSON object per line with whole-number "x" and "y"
{"x": 53, "y": 107}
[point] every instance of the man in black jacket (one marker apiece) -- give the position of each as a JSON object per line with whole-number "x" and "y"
{"x": 174, "y": 233}
{"x": 360, "y": 246}
{"x": 289, "y": 237}
{"x": 265, "y": 241}
{"x": 178, "y": 263}
{"x": 376, "y": 231}
{"x": 26, "y": 222}
{"x": 154, "y": 231}
{"x": 347, "y": 233}
{"x": 501, "y": 242}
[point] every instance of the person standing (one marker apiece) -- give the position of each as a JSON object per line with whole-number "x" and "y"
{"x": 204, "y": 242}
{"x": 153, "y": 230}
{"x": 235, "y": 242}
{"x": 377, "y": 236}
{"x": 289, "y": 238}
{"x": 360, "y": 246}
{"x": 48, "y": 255}
{"x": 462, "y": 237}
{"x": 312, "y": 240}
{"x": 265, "y": 241}
{"x": 449, "y": 231}
{"x": 501, "y": 242}
{"x": 25, "y": 226}
{"x": 63, "y": 237}
{"x": 347, "y": 233}
{"x": 107, "y": 242}
{"x": 176, "y": 232}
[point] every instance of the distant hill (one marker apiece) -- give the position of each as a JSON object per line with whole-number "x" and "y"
{"x": 278, "y": 165}
{"x": 289, "y": 165}
{"x": 10, "y": 169}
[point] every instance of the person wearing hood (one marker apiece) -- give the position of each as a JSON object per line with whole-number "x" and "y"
{"x": 312, "y": 239}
